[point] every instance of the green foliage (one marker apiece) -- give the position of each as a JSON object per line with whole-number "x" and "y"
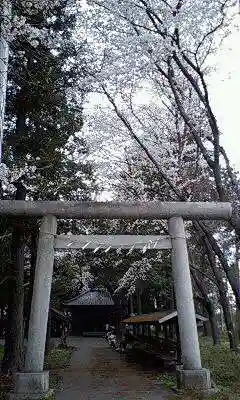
{"x": 50, "y": 396}
{"x": 224, "y": 365}
{"x": 108, "y": 268}
{"x": 43, "y": 118}
{"x": 66, "y": 277}
{"x": 58, "y": 358}
{"x": 43, "y": 121}
{"x": 167, "y": 380}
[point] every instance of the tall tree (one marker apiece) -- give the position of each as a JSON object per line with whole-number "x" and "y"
{"x": 169, "y": 44}
{"x": 41, "y": 139}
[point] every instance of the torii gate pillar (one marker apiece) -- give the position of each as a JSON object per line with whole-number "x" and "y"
{"x": 191, "y": 375}
{"x": 33, "y": 383}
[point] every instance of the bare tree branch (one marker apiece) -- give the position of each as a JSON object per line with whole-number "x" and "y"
{"x": 142, "y": 146}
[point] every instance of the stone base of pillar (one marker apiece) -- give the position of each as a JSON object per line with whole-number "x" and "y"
{"x": 31, "y": 386}
{"x": 197, "y": 379}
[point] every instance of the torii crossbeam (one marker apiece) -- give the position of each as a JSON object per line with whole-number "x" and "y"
{"x": 114, "y": 210}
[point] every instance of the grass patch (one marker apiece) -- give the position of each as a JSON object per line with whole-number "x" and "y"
{"x": 168, "y": 381}
{"x": 58, "y": 358}
{"x": 55, "y": 381}
{"x": 224, "y": 365}
{"x": 222, "y": 362}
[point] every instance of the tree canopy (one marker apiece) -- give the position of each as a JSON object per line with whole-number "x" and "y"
{"x": 113, "y": 96}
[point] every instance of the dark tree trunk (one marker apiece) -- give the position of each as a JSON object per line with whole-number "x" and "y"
{"x": 139, "y": 301}
{"x": 48, "y": 335}
{"x": 228, "y": 321}
{"x": 13, "y": 355}
{"x": 14, "y": 339}
{"x": 223, "y": 299}
{"x": 212, "y": 247}
{"x": 227, "y": 315}
{"x": 213, "y": 323}
{"x": 179, "y": 350}
{"x": 131, "y": 304}
{"x": 238, "y": 323}
{"x": 208, "y": 305}
{"x": 211, "y": 252}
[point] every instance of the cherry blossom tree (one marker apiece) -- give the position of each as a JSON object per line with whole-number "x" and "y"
{"x": 168, "y": 45}
{"x": 168, "y": 42}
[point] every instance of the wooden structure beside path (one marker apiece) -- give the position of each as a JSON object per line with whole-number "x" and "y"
{"x": 155, "y": 336}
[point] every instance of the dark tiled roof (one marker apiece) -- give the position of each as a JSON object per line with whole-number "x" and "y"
{"x": 92, "y": 298}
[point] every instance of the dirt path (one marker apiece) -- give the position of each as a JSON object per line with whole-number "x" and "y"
{"x": 98, "y": 372}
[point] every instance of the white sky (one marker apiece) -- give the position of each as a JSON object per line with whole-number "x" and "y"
{"x": 225, "y": 94}
{"x": 224, "y": 88}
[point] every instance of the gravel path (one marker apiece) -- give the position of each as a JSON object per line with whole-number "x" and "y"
{"x": 98, "y": 372}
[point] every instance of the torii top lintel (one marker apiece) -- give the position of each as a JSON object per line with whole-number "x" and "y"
{"x": 113, "y": 210}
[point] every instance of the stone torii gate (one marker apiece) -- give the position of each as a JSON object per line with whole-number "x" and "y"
{"x": 33, "y": 382}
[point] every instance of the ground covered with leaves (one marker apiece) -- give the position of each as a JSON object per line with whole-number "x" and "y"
{"x": 57, "y": 360}
{"x": 224, "y": 365}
